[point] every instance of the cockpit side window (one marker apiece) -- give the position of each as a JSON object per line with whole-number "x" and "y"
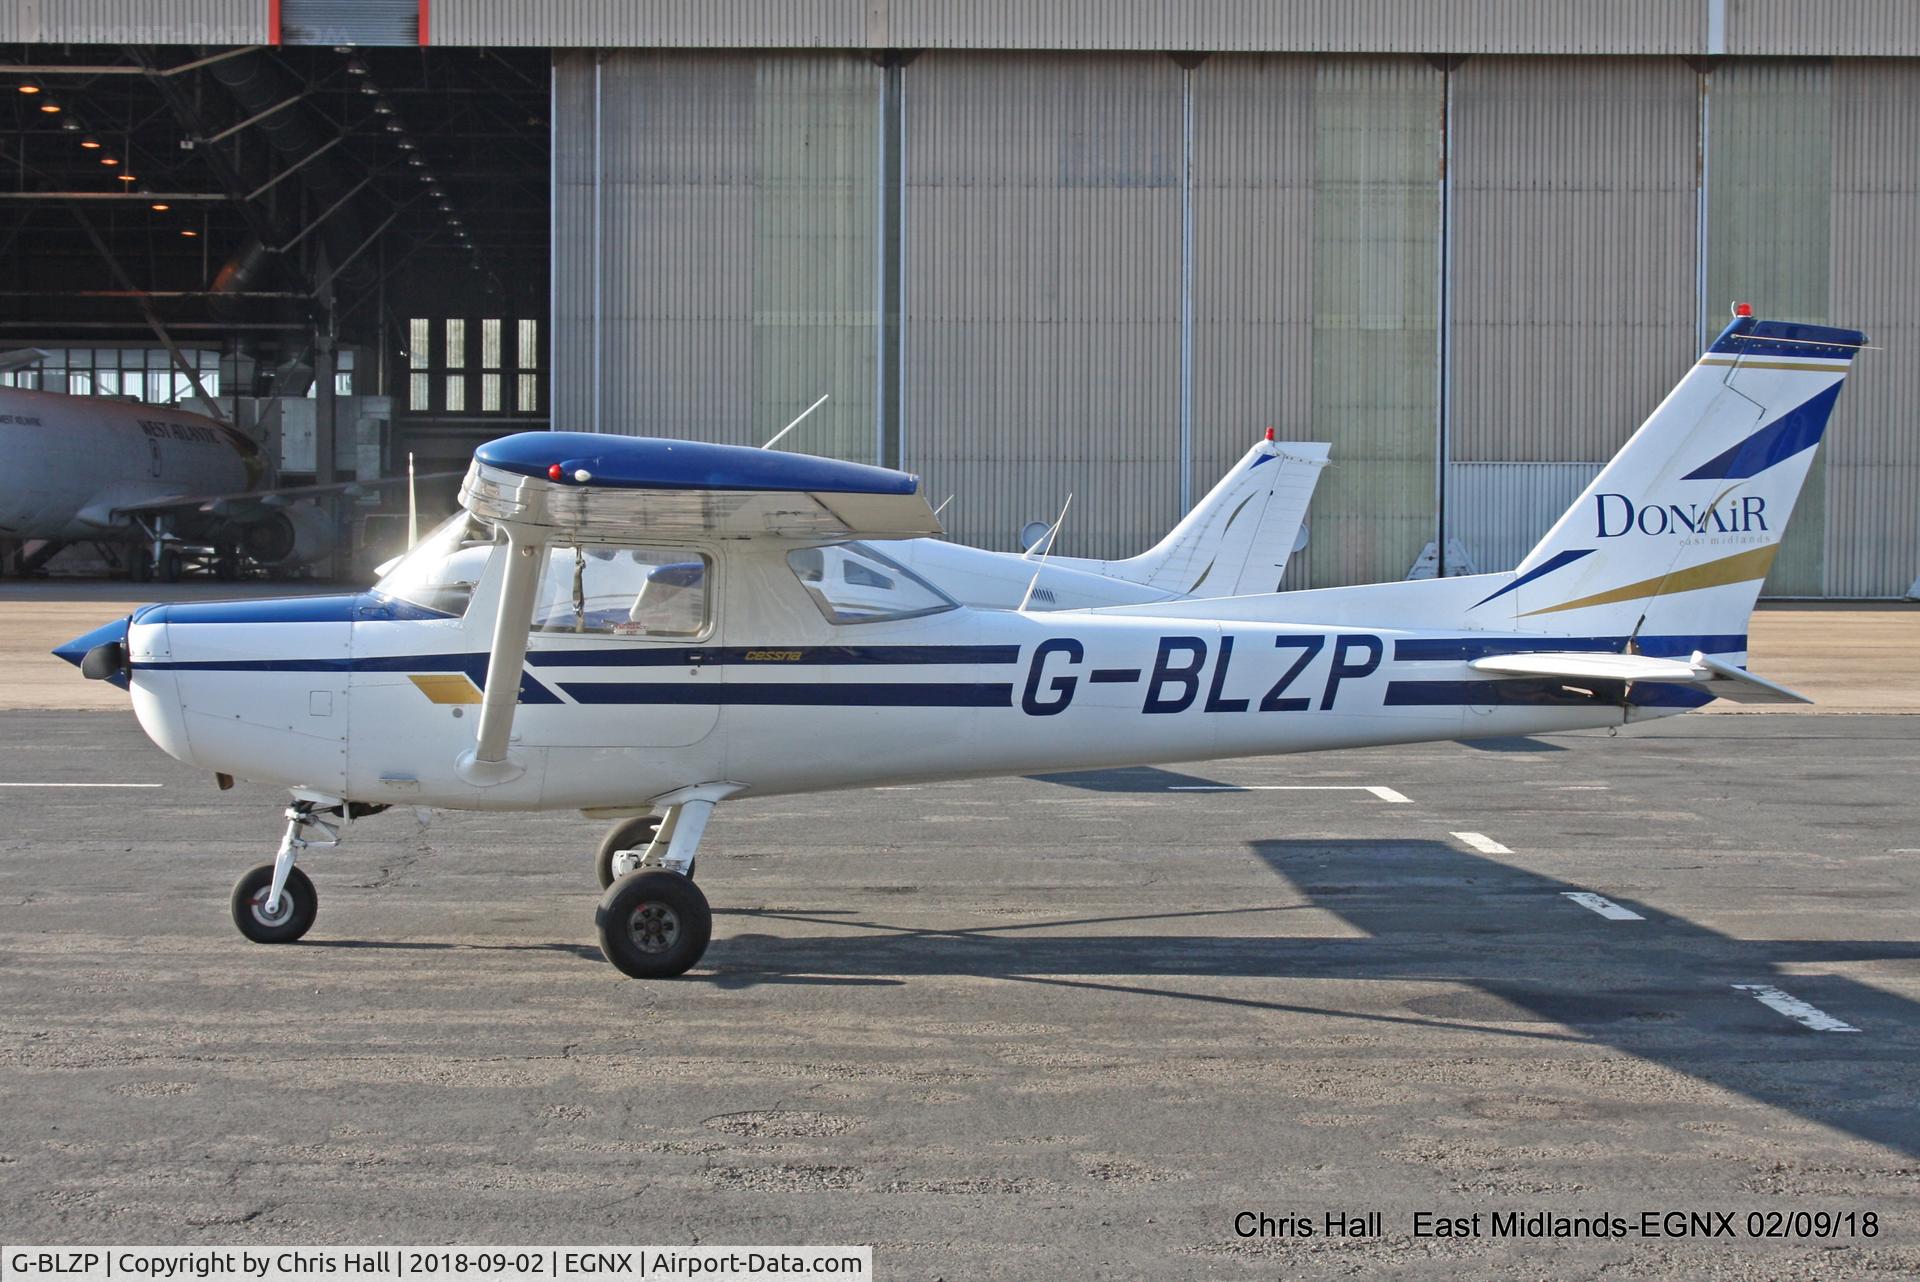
{"x": 442, "y": 569}
{"x": 852, "y": 583}
{"x": 623, "y": 591}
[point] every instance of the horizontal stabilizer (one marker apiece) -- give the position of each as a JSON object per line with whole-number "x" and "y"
{"x": 1717, "y": 677}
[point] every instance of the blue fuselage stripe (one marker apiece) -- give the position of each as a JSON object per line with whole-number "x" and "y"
{"x": 873, "y": 694}
{"x": 1428, "y": 649}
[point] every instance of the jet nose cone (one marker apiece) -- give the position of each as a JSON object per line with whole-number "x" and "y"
{"x": 77, "y": 650}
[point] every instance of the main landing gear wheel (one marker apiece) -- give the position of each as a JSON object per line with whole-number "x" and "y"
{"x": 292, "y": 918}
{"x": 654, "y": 925}
{"x": 629, "y": 834}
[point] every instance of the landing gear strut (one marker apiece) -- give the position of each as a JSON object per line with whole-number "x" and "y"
{"x": 275, "y": 903}
{"x": 654, "y": 923}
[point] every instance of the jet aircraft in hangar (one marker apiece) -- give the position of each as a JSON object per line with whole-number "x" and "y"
{"x": 646, "y": 630}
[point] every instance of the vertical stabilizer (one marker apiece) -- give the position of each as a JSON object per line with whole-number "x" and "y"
{"x": 1677, "y": 533}
{"x": 1237, "y": 539}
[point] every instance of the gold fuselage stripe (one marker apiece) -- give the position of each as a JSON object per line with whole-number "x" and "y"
{"x": 1737, "y": 568}
{"x": 447, "y": 687}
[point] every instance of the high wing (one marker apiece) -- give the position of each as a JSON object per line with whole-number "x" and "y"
{"x": 587, "y": 483}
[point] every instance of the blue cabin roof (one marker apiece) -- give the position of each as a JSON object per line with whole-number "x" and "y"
{"x": 653, "y": 463}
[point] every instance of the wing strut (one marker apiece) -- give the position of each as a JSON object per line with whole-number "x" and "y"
{"x": 487, "y": 762}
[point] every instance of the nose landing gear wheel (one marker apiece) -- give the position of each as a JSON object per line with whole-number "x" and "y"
{"x": 632, "y": 834}
{"x": 654, "y": 925}
{"x": 291, "y": 918}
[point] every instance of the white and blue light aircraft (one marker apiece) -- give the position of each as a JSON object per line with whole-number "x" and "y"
{"x": 644, "y": 630}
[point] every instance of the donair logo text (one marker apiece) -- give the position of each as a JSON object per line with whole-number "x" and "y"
{"x": 1616, "y": 514}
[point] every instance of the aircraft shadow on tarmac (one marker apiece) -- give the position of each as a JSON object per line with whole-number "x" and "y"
{"x": 1525, "y": 962}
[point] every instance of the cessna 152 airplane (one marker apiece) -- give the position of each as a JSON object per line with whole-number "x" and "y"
{"x": 653, "y": 628}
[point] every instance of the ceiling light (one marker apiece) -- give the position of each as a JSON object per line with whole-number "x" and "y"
{"x": 406, "y": 144}
{"x": 423, "y": 177}
{"x": 416, "y": 162}
{"x": 188, "y": 231}
{"x": 27, "y": 86}
{"x": 434, "y": 192}
{"x": 71, "y": 125}
{"x": 356, "y": 68}
{"x": 90, "y": 143}
{"x": 445, "y": 208}
{"x": 51, "y": 108}
{"x": 108, "y": 160}
{"x": 128, "y": 178}
{"x": 161, "y": 206}
{"x": 369, "y": 88}
{"x": 383, "y": 108}
{"x": 393, "y": 126}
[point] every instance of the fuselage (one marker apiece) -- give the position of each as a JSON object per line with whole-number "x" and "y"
{"x": 374, "y": 698}
{"x": 70, "y": 464}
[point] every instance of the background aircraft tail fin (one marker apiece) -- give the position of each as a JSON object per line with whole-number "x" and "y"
{"x": 1677, "y": 533}
{"x": 1237, "y": 539}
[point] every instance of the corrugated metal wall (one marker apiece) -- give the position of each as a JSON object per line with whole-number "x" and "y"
{"x": 1105, "y": 255}
{"x": 1574, "y": 252}
{"x": 732, "y": 201}
{"x": 1500, "y": 510}
{"x": 1042, "y": 278}
{"x": 1769, "y": 165}
{"x": 214, "y": 22}
{"x": 1874, "y": 28}
{"x": 1252, "y": 257}
{"x": 1873, "y": 460}
{"x": 1378, "y": 140}
{"x": 1862, "y": 27}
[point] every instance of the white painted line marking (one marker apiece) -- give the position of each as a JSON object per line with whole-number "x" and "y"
{"x": 1795, "y": 1009}
{"x": 1385, "y": 794}
{"x": 79, "y": 785}
{"x": 1602, "y": 905}
{"x": 1482, "y": 843}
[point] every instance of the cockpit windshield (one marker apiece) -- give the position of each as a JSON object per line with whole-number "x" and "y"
{"x": 442, "y": 569}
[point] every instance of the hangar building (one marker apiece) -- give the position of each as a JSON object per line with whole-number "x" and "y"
{"x": 1029, "y": 247}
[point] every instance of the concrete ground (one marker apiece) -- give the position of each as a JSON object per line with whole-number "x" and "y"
{"x": 1067, "y": 1027}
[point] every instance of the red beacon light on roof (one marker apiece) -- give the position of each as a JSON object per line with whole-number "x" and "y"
{"x": 1743, "y": 309}
{"x": 1269, "y": 434}
{"x": 555, "y": 472}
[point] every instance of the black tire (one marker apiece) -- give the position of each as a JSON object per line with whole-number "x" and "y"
{"x": 628, "y": 834}
{"x": 167, "y": 568}
{"x": 299, "y": 903}
{"x": 654, "y": 925}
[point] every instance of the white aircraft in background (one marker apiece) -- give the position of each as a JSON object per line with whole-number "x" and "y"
{"x": 577, "y": 671}
{"x": 182, "y": 489}
{"x": 1235, "y": 541}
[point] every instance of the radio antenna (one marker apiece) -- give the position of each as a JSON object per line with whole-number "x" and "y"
{"x": 796, "y": 422}
{"x": 1046, "y": 552}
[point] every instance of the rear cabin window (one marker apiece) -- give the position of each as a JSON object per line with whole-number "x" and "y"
{"x": 852, "y": 583}
{"x": 592, "y": 589}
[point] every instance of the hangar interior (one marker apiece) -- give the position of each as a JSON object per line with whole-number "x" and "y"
{"x": 1026, "y": 250}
